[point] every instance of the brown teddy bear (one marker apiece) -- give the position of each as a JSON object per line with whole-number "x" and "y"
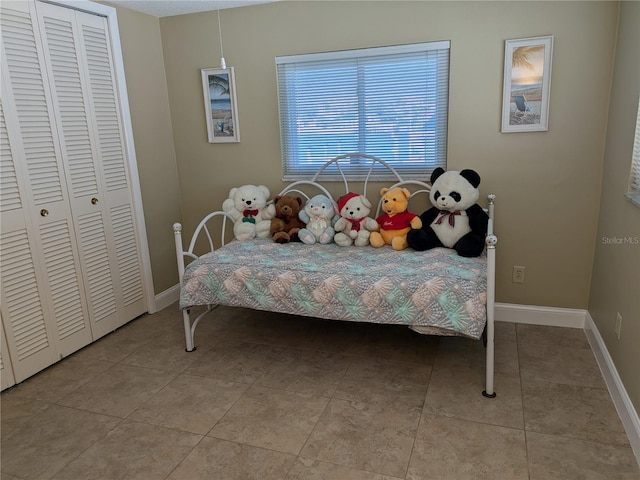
{"x": 286, "y": 224}
{"x": 396, "y": 221}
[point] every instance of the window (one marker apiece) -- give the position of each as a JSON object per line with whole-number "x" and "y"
{"x": 390, "y": 102}
{"x": 634, "y": 183}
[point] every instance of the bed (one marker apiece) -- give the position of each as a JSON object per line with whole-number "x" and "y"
{"x": 435, "y": 292}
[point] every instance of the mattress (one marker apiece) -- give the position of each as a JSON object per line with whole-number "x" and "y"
{"x": 436, "y": 291}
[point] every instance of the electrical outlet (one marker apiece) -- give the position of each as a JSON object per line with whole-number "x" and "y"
{"x": 618, "y": 324}
{"x": 518, "y": 274}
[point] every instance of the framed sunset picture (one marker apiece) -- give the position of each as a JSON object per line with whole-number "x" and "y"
{"x": 527, "y": 82}
{"x": 220, "y": 105}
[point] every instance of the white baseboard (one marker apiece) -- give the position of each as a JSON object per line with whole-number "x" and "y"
{"x": 534, "y": 315}
{"x": 621, "y": 400}
{"x": 166, "y": 298}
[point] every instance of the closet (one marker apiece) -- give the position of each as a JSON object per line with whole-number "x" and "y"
{"x": 73, "y": 257}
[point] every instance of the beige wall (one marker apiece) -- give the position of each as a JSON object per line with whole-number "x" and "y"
{"x": 547, "y": 183}
{"x": 153, "y": 137}
{"x": 615, "y": 285}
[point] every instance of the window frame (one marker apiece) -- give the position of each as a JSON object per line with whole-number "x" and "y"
{"x": 633, "y": 193}
{"x": 432, "y": 153}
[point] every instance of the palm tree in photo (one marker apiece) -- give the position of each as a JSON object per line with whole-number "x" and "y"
{"x": 520, "y": 56}
{"x": 219, "y": 82}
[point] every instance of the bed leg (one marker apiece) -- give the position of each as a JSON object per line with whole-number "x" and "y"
{"x": 490, "y": 327}
{"x": 489, "y": 392}
{"x": 188, "y": 334}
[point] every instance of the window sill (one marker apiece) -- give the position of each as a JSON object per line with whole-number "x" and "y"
{"x": 633, "y": 198}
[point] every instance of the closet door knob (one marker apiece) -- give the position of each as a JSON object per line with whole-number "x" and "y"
{"x": 94, "y": 200}
{"x": 44, "y": 212}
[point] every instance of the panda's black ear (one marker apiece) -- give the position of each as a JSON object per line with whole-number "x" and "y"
{"x": 436, "y": 173}
{"x": 472, "y": 177}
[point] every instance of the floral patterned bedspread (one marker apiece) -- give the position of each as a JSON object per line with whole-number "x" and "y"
{"x": 429, "y": 291}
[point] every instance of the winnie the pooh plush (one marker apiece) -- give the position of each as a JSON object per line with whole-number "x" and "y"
{"x": 247, "y": 205}
{"x": 319, "y": 215}
{"x": 396, "y": 221}
{"x": 286, "y": 224}
{"x": 354, "y": 226}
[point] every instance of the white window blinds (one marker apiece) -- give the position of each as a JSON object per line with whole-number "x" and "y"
{"x": 635, "y": 162}
{"x": 390, "y": 102}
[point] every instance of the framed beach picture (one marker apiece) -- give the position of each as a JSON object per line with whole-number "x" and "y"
{"x": 220, "y": 105}
{"x": 527, "y": 80}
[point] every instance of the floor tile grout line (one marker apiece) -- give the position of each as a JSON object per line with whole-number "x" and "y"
{"x": 332, "y": 397}
{"x": 249, "y": 385}
{"x": 59, "y": 365}
{"x": 580, "y": 439}
{"x": 16, "y": 388}
{"x": 365, "y": 403}
{"x": 324, "y": 410}
{"x": 415, "y": 437}
{"x": 524, "y": 419}
{"x": 343, "y": 466}
{"x": 202, "y": 437}
{"x": 319, "y": 350}
{"x": 526, "y": 453}
{"x": 120, "y": 420}
{"x": 592, "y": 442}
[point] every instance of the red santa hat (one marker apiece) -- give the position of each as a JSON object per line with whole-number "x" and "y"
{"x": 344, "y": 199}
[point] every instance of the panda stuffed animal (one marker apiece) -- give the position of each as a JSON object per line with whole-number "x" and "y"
{"x": 456, "y": 220}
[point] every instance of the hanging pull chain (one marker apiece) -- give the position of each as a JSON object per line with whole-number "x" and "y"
{"x": 223, "y": 64}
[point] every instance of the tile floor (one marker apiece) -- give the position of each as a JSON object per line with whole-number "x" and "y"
{"x": 267, "y": 396}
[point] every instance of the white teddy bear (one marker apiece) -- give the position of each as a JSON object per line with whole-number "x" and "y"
{"x": 354, "y": 225}
{"x": 247, "y": 205}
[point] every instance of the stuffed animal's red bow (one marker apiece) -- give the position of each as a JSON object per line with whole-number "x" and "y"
{"x": 355, "y": 224}
{"x": 451, "y": 215}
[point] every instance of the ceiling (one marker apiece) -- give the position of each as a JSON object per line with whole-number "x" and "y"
{"x": 169, "y": 8}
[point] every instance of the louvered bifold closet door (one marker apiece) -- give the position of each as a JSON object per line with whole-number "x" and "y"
{"x": 79, "y": 62}
{"x": 43, "y": 307}
{"x": 6, "y": 372}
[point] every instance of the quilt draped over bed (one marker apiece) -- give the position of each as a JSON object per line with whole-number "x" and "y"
{"x": 433, "y": 291}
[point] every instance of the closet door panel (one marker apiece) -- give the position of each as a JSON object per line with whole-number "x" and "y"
{"x": 77, "y": 137}
{"x": 10, "y": 200}
{"x": 79, "y": 62}
{"x": 21, "y": 59}
{"x": 103, "y": 98}
{"x": 130, "y": 277}
{"x": 29, "y": 341}
{"x": 69, "y": 99}
{"x": 6, "y": 372}
{"x": 97, "y": 56}
{"x": 98, "y": 272}
{"x": 69, "y": 310}
{"x": 36, "y": 158}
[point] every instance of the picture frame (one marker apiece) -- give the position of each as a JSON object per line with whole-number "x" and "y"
{"x": 220, "y": 105}
{"x": 527, "y": 83}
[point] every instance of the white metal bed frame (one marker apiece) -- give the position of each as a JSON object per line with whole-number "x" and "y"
{"x": 491, "y": 241}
